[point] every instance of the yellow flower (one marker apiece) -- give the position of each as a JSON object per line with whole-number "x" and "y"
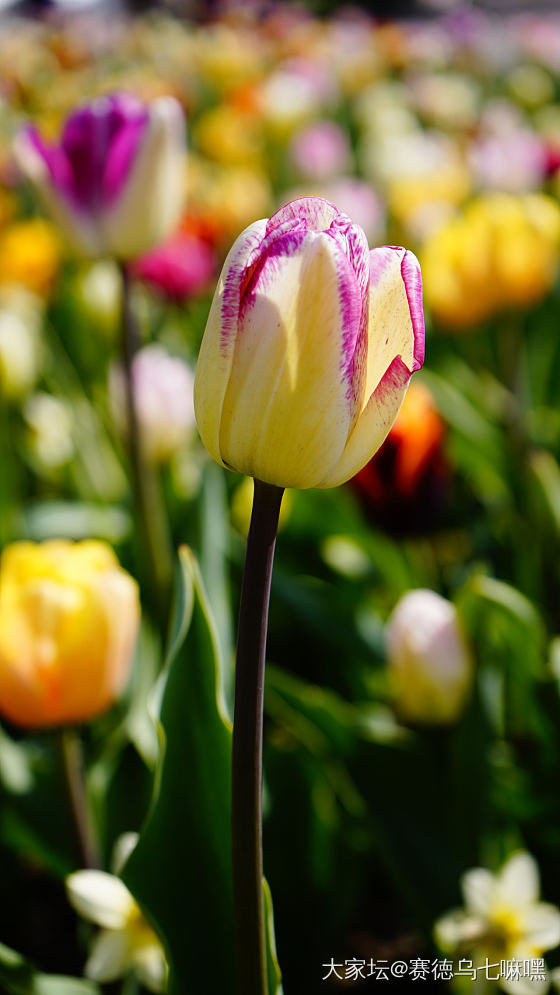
{"x": 29, "y": 255}
{"x": 502, "y": 920}
{"x": 309, "y": 348}
{"x": 502, "y": 252}
{"x": 126, "y": 941}
{"x": 227, "y": 199}
{"x": 229, "y": 135}
{"x": 69, "y": 617}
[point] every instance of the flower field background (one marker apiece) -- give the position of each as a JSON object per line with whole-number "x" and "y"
{"x": 412, "y": 709}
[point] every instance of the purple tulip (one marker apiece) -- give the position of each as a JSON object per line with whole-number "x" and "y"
{"x": 115, "y": 182}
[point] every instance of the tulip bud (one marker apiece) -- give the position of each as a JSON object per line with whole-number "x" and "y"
{"x": 428, "y": 658}
{"x": 20, "y": 342}
{"x": 69, "y": 617}
{"x": 115, "y": 183}
{"x": 309, "y": 348}
{"x": 163, "y": 390}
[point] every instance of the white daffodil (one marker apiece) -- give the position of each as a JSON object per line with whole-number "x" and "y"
{"x": 503, "y": 920}
{"x": 126, "y": 942}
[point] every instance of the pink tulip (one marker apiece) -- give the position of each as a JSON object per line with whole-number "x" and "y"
{"x": 181, "y": 267}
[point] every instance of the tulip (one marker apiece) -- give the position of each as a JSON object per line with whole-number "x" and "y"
{"x": 428, "y": 658}
{"x": 20, "y": 341}
{"x": 404, "y": 486}
{"x": 182, "y": 267}
{"x": 309, "y": 348}
{"x": 114, "y": 185}
{"x": 163, "y": 388}
{"x": 320, "y": 151}
{"x": 69, "y": 617}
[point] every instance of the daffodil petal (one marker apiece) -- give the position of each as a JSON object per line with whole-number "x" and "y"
{"x": 541, "y": 925}
{"x": 524, "y": 986}
{"x": 457, "y": 928}
{"x": 100, "y": 897}
{"x": 517, "y": 884}
{"x": 110, "y": 956}
{"x": 150, "y": 966}
{"x": 218, "y": 345}
{"x": 478, "y": 886}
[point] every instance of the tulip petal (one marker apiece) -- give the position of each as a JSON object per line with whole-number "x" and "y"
{"x": 395, "y": 348}
{"x": 101, "y": 898}
{"x": 218, "y": 345}
{"x": 308, "y": 213}
{"x": 49, "y": 170}
{"x": 151, "y": 201}
{"x": 289, "y": 405}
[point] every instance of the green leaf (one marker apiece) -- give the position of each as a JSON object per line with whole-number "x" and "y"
{"x": 180, "y": 871}
{"x": 546, "y": 473}
{"x": 214, "y": 551}
{"x": 274, "y": 973}
{"x": 18, "y": 977}
{"x": 73, "y": 520}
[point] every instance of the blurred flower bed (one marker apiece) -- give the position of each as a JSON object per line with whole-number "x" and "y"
{"x": 407, "y": 742}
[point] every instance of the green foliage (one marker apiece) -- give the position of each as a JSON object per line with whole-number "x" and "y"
{"x": 19, "y": 978}
{"x": 180, "y": 871}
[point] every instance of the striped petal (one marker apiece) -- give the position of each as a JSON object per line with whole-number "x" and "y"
{"x": 218, "y": 345}
{"x": 395, "y": 348}
{"x": 307, "y": 213}
{"x": 289, "y": 404}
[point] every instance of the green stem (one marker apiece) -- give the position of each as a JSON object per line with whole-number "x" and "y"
{"x": 150, "y": 513}
{"x": 73, "y": 767}
{"x": 250, "y": 934}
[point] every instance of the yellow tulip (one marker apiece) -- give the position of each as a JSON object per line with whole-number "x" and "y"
{"x": 501, "y": 252}
{"x": 29, "y": 255}
{"x": 309, "y": 348}
{"x": 69, "y": 617}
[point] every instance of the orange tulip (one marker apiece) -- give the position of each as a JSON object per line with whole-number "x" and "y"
{"x": 69, "y": 617}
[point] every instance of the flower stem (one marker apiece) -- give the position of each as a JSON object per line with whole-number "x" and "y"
{"x": 150, "y": 513}
{"x": 247, "y": 743}
{"x": 73, "y": 767}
